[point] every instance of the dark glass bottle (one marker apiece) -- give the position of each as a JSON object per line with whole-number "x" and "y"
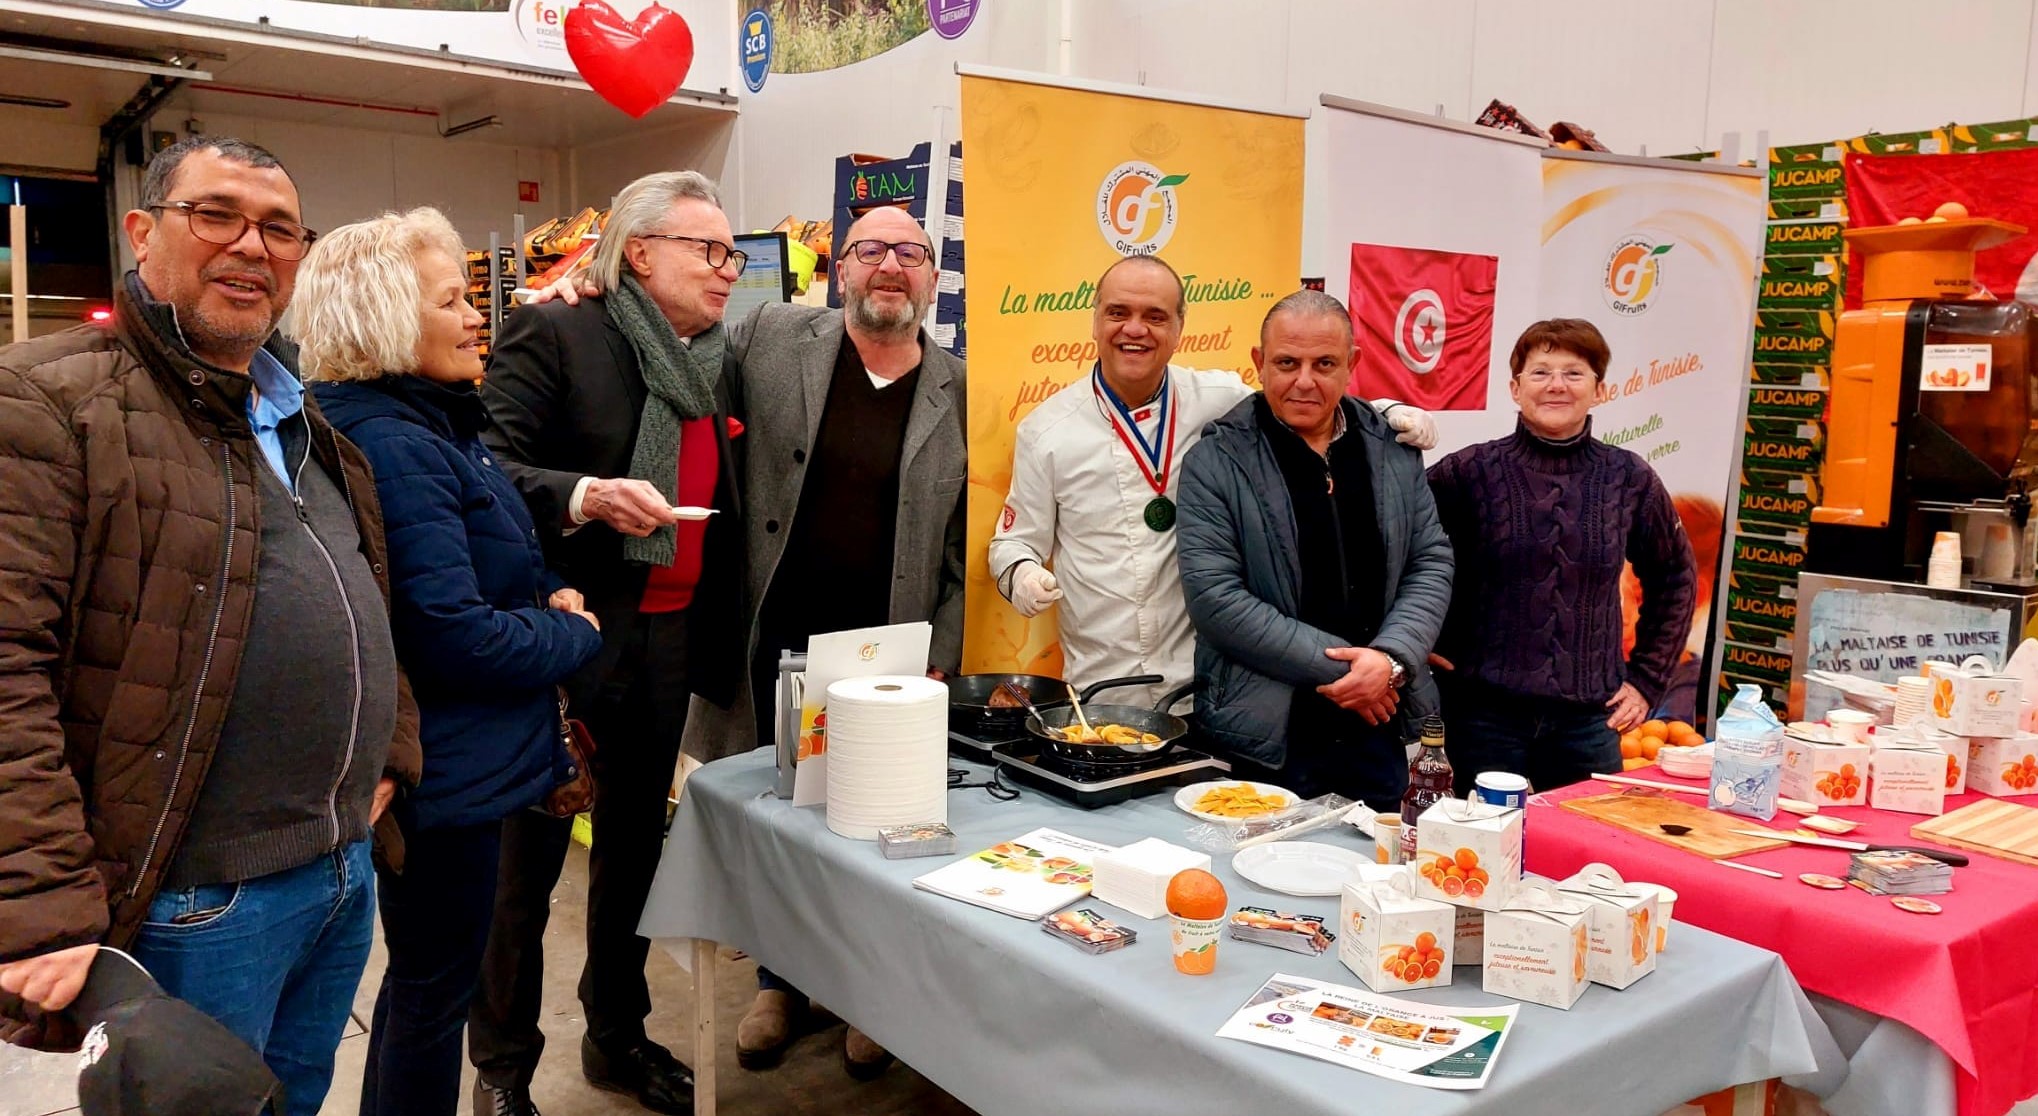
{"x": 1429, "y": 778}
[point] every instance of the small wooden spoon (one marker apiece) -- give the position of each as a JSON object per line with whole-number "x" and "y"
{"x": 1080, "y": 718}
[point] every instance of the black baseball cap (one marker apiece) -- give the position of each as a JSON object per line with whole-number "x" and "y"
{"x": 148, "y": 1054}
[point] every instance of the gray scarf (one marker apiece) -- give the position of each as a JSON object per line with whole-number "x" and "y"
{"x": 681, "y": 382}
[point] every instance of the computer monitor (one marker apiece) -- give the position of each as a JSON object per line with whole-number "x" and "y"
{"x": 767, "y": 276}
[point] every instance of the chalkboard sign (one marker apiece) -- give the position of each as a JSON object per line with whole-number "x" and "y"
{"x": 1884, "y": 630}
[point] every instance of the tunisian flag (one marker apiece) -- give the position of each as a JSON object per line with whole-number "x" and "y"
{"x": 1883, "y": 189}
{"x": 1423, "y": 320}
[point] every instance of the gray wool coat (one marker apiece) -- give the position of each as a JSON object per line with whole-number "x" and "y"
{"x": 788, "y": 353}
{"x": 1242, "y": 577}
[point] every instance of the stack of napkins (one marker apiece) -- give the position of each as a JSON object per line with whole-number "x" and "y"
{"x": 1136, "y": 876}
{"x": 1900, "y": 873}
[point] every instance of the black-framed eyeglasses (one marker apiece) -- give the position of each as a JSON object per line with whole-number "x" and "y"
{"x": 220, "y": 224}
{"x": 871, "y": 253}
{"x": 718, "y": 253}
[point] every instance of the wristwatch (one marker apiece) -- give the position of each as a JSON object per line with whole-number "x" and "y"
{"x": 1397, "y": 675}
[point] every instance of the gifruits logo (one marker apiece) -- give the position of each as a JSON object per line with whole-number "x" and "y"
{"x": 1634, "y": 274}
{"x": 542, "y": 22}
{"x": 1136, "y": 208}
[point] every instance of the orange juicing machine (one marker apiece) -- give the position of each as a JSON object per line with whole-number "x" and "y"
{"x": 1930, "y": 417}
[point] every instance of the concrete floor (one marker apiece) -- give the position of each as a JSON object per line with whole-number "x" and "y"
{"x": 810, "y": 1080}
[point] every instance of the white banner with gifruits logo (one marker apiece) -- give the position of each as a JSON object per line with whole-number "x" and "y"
{"x": 1662, "y": 258}
{"x": 1660, "y": 255}
{"x": 523, "y": 34}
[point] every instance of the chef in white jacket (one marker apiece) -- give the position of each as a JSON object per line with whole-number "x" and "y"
{"x": 1093, "y": 488}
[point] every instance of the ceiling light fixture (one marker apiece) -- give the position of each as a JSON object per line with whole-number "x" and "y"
{"x": 475, "y": 125}
{"x": 22, "y": 101}
{"x": 100, "y": 62}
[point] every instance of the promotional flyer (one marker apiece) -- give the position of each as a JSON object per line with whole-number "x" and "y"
{"x": 1062, "y": 183}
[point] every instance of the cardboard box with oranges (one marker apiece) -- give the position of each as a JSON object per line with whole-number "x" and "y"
{"x": 1621, "y": 940}
{"x": 1469, "y": 943}
{"x": 1468, "y": 852}
{"x": 1974, "y": 700}
{"x": 1909, "y": 770}
{"x": 1392, "y": 939}
{"x": 2006, "y": 767}
{"x": 1824, "y": 772}
{"x": 1536, "y": 948}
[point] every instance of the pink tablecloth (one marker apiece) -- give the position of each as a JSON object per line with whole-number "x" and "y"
{"x": 1966, "y": 979}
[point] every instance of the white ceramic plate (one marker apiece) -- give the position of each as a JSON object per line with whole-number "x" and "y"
{"x": 693, "y": 512}
{"x": 1298, "y": 867}
{"x": 1185, "y": 799}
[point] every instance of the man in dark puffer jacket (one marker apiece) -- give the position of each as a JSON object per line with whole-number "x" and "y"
{"x": 189, "y": 769}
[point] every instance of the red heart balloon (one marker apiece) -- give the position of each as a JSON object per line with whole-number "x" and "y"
{"x": 634, "y": 65}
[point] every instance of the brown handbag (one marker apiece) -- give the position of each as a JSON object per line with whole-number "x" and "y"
{"x": 576, "y": 794}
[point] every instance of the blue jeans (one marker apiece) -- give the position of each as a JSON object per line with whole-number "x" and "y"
{"x": 1551, "y": 743}
{"x": 275, "y": 959}
{"x": 435, "y": 920}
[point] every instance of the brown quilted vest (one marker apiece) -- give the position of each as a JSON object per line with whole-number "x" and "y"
{"x": 128, "y": 538}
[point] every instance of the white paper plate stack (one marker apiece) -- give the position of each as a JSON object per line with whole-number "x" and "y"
{"x": 887, "y": 753}
{"x": 1136, "y": 876}
{"x": 1913, "y": 698}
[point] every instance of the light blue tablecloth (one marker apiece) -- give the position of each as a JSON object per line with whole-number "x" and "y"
{"x": 1011, "y": 1020}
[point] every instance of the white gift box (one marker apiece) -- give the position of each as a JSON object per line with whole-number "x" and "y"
{"x": 1621, "y": 933}
{"x": 1392, "y": 939}
{"x": 2006, "y": 767}
{"x": 1468, "y": 853}
{"x": 1536, "y": 948}
{"x": 1823, "y": 772}
{"x": 1908, "y": 771}
{"x": 1468, "y": 945}
{"x": 1974, "y": 699}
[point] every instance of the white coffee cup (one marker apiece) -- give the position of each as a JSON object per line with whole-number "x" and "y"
{"x": 1850, "y": 726}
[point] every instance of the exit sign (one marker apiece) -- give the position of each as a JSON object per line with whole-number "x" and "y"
{"x": 527, "y": 192}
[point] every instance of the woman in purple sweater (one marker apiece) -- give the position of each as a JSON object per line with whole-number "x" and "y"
{"x": 1542, "y": 522}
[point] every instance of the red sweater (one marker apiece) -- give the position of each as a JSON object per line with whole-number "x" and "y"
{"x": 670, "y": 588}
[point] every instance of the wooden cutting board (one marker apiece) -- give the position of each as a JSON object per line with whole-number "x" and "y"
{"x": 1712, "y": 833}
{"x": 1990, "y": 826}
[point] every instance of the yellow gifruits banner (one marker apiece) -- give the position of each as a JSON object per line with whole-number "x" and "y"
{"x": 1059, "y": 183}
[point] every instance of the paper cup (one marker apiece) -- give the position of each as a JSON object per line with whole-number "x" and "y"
{"x": 1666, "y": 899}
{"x": 1387, "y": 839}
{"x": 1850, "y": 726}
{"x": 1195, "y": 943}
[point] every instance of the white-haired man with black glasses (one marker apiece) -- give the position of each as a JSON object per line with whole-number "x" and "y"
{"x": 609, "y": 414}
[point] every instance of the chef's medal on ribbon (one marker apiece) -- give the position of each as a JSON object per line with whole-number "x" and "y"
{"x": 1156, "y": 461}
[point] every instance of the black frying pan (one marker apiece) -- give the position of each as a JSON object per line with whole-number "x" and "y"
{"x": 1170, "y": 728}
{"x": 970, "y": 711}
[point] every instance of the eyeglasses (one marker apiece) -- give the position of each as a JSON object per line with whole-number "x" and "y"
{"x": 871, "y": 253}
{"x": 718, "y": 253}
{"x": 219, "y": 224}
{"x": 1542, "y": 376}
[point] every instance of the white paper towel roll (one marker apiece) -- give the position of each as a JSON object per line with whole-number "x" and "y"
{"x": 887, "y": 753}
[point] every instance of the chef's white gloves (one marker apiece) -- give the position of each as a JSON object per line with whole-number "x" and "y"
{"x": 1412, "y": 424}
{"x": 1033, "y": 589}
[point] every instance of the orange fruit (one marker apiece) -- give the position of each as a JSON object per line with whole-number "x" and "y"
{"x": 1412, "y": 972}
{"x": 1679, "y": 728}
{"x": 1425, "y": 941}
{"x": 1195, "y": 893}
{"x": 1633, "y": 764}
{"x": 1466, "y": 859}
{"x": 1654, "y": 728}
{"x": 1952, "y": 772}
{"x": 1432, "y": 967}
{"x": 1477, "y": 874}
{"x": 1651, "y": 745}
{"x": 1630, "y": 746}
{"x": 1453, "y": 886}
{"x": 1473, "y": 888}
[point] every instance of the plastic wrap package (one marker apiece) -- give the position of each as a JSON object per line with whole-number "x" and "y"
{"x": 1305, "y": 816}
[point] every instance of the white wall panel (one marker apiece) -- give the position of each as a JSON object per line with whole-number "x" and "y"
{"x": 1412, "y": 56}
{"x": 1811, "y": 70}
{"x": 29, "y": 137}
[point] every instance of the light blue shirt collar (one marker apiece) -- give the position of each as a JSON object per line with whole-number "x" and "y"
{"x": 277, "y": 396}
